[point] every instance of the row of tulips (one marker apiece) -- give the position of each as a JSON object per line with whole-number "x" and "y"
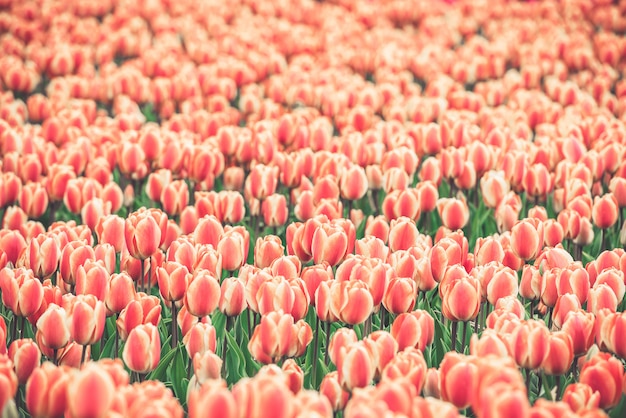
{"x": 433, "y": 195}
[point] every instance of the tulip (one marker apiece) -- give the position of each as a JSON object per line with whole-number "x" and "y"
{"x": 605, "y": 211}
{"x": 86, "y": 317}
{"x": 414, "y": 329}
{"x": 460, "y": 295}
{"x": 351, "y": 301}
{"x": 402, "y": 203}
{"x": 200, "y": 339}
{"x": 33, "y": 198}
{"x": 493, "y": 187}
{"x": 46, "y": 391}
{"x": 459, "y": 378}
{"x": 267, "y": 249}
{"x": 156, "y": 182}
{"x": 274, "y": 210}
{"x": 605, "y": 374}
{"x": 579, "y": 325}
{"x": 262, "y": 181}
{"x": 207, "y": 366}
{"x": 580, "y": 396}
{"x": 332, "y": 390}
{"x": 22, "y": 292}
{"x": 92, "y": 278}
{"x": 174, "y": 197}
{"x": 145, "y": 309}
{"x": 142, "y": 234}
{"x": 529, "y": 344}
{"x": 26, "y": 357}
{"x": 233, "y": 247}
{"x": 560, "y": 354}
{"x": 400, "y": 295}
{"x": 353, "y": 183}
{"x": 408, "y": 364}
{"x": 403, "y": 234}
{"x": 255, "y": 397}
{"x": 121, "y": 291}
{"x": 527, "y": 239}
{"x": 329, "y": 244}
{"x": 53, "y": 326}
{"x": 454, "y": 213}
{"x": 142, "y": 350}
{"x": 91, "y": 392}
{"x": 232, "y": 300}
{"x": 203, "y": 293}
{"x": 212, "y": 396}
{"x": 489, "y": 342}
{"x": 271, "y": 339}
{"x": 356, "y": 369}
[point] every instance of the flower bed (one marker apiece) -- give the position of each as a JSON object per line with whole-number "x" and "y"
{"x": 434, "y": 193}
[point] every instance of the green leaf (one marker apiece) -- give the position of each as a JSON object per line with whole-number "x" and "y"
{"x": 178, "y": 372}
{"x": 235, "y": 361}
{"x": 108, "y": 349}
{"x": 160, "y": 373}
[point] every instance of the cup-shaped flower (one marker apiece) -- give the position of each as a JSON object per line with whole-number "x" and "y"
{"x": 142, "y": 350}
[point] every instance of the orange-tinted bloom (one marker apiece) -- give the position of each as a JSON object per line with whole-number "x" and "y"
{"x": 454, "y": 213}
{"x": 527, "y": 238}
{"x": 142, "y": 234}
{"x": 46, "y": 391}
{"x": 605, "y": 374}
{"x": 91, "y": 392}
{"x": 232, "y": 297}
{"x": 202, "y": 294}
{"x": 86, "y": 316}
{"x": 605, "y": 211}
{"x": 142, "y": 350}
{"x": 414, "y": 329}
{"x": 274, "y": 210}
{"x": 560, "y": 354}
{"x": 353, "y": 183}
{"x": 400, "y": 295}
{"x": 233, "y": 246}
{"x": 53, "y": 327}
{"x": 493, "y": 187}
{"x": 26, "y": 356}
{"x": 212, "y": 396}
{"x": 174, "y": 197}
{"x": 351, "y": 301}
{"x": 460, "y": 295}
{"x": 22, "y": 292}
{"x": 329, "y": 244}
{"x": 459, "y": 378}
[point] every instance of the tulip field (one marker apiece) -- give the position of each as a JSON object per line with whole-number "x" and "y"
{"x": 300, "y": 208}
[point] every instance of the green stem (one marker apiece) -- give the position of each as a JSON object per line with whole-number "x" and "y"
{"x": 174, "y": 325}
{"x": 463, "y": 335}
{"x": 315, "y": 352}
{"x": 227, "y": 325}
{"x": 83, "y": 355}
{"x": 455, "y": 324}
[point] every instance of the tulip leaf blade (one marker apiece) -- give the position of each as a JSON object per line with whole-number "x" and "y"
{"x": 178, "y": 373}
{"x": 108, "y": 349}
{"x": 160, "y": 373}
{"x": 235, "y": 361}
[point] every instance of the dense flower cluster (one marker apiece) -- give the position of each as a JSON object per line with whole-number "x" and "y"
{"x": 292, "y": 208}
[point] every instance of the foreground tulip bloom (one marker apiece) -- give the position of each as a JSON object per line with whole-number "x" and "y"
{"x": 142, "y": 350}
{"x": 212, "y": 396}
{"x": 90, "y": 393}
{"x": 605, "y": 374}
{"x": 53, "y": 326}
{"x": 46, "y": 391}
{"x": 414, "y": 329}
{"x": 142, "y": 234}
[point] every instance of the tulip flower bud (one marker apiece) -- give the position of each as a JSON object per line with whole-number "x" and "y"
{"x": 142, "y": 350}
